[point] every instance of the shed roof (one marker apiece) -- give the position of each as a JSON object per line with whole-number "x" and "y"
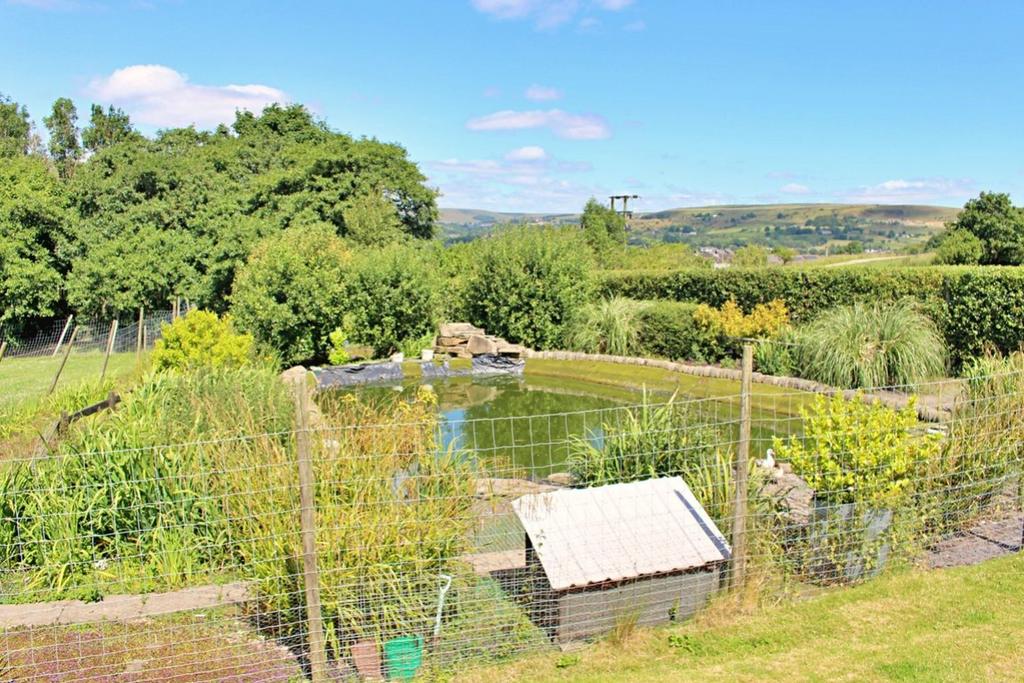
{"x": 619, "y": 531}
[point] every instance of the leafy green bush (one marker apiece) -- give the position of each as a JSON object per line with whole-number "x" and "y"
{"x": 292, "y": 292}
{"x": 527, "y": 285}
{"x": 750, "y": 256}
{"x": 668, "y": 330}
{"x": 852, "y": 451}
{"x": 959, "y": 248}
{"x": 974, "y": 307}
{"x": 200, "y": 338}
{"x": 608, "y": 326}
{"x": 871, "y": 346}
{"x": 778, "y": 355}
{"x": 393, "y": 297}
{"x": 727, "y": 327}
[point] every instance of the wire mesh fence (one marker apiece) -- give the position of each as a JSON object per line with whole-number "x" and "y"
{"x": 136, "y": 550}
{"x": 67, "y": 352}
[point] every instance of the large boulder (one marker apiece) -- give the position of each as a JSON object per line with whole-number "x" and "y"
{"x": 480, "y": 345}
{"x": 463, "y": 330}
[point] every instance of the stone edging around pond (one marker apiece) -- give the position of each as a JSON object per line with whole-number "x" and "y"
{"x": 892, "y": 399}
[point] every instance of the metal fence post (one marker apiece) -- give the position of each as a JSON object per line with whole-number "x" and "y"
{"x": 63, "y": 362}
{"x": 110, "y": 347}
{"x": 307, "y": 498}
{"x": 739, "y": 513}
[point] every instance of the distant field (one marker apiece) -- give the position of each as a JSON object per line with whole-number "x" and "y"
{"x": 805, "y": 227}
{"x": 28, "y": 379}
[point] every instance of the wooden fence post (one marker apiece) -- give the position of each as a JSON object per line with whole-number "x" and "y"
{"x": 307, "y": 498}
{"x": 64, "y": 360}
{"x": 140, "y": 334}
{"x": 63, "y": 334}
{"x": 3, "y": 349}
{"x": 739, "y": 512}
{"x": 110, "y": 347}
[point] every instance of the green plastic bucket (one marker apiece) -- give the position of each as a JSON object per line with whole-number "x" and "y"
{"x": 403, "y": 656}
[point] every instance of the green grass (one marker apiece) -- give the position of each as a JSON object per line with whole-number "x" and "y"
{"x": 949, "y": 625}
{"x": 28, "y": 379}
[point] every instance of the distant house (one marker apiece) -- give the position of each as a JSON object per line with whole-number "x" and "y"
{"x": 645, "y": 550}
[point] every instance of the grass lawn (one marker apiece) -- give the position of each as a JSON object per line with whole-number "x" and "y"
{"x": 27, "y": 379}
{"x": 943, "y": 625}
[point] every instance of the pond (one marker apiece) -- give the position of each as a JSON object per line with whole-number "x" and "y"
{"x": 523, "y": 427}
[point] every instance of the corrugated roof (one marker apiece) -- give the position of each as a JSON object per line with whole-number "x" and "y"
{"x": 619, "y": 531}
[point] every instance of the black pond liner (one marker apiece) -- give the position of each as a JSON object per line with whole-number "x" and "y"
{"x": 356, "y": 374}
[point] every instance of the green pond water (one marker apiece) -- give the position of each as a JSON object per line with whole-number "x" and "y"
{"x": 522, "y": 427}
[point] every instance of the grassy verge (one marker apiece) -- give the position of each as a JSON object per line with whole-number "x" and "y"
{"x": 950, "y": 625}
{"x": 28, "y": 379}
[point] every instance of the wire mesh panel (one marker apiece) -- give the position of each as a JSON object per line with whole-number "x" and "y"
{"x": 164, "y": 541}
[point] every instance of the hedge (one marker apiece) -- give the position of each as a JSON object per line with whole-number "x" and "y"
{"x": 976, "y": 307}
{"x": 667, "y": 330}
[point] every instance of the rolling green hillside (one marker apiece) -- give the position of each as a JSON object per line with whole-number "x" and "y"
{"x": 806, "y": 227}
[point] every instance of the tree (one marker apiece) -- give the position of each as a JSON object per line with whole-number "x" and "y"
{"x": 528, "y": 285}
{"x": 602, "y": 227}
{"x": 107, "y": 128}
{"x": 750, "y": 256}
{"x": 994, "y": 220}
{"x": 32, "y": 218}
{"x": 959, "y": 247}
{"x": 787, "y": 254}
{"x": 291, "y": 293}
{"x": 15, "y": 128}
{"x": 371, "y": 220}
{"x": 64, "y": 147}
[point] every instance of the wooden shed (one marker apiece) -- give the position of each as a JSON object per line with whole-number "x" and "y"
{"x": 645, "y": 550}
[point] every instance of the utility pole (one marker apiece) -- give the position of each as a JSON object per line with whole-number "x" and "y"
{"x": 625, "y": 203}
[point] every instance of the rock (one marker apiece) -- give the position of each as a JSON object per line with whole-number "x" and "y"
{"x": 511, "y": 350}
{"x": 451, "y": 341}
{"x": 458, "y": 330}
{"x": 479, "y": 345}
{"x": 560, "y": 479}
{"x": 792, "y": 495}
{"x": 293, "y": 375}
{"x": 488, "y": 489}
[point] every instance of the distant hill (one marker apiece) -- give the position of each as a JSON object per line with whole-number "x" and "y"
{"x": 806, "y": 227}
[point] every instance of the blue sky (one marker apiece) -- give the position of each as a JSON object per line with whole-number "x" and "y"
{"x": 535, "y": 105}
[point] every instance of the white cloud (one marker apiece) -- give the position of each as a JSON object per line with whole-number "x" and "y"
{"x": 561, "y": 123}
{"x": 157, "y": 95}
{"x": 528, "y": 153}
{"x": 546, "y": 14}
{"x": 540, "y": 93}
{"x": 795, "y": 188}
{"x": 525, "y": 179}
{"x": 922, "y": 190}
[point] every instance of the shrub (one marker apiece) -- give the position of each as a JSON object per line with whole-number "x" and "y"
{"x": 959, "y": 248}
{"x": 393, "y": 297}
{"x": 871, "y": 346}
{"x": 528, "y": 284}
{"x": 726, "y": 327}
{"x": 291, "y": 293}
{"x": 750, "y": 256}
{"x": 857, "y": 452}
{"x": 668, "y": 330}
{"x": 200, "y": 338}
{"x": 974, "y": 307}
{"x": 778, "y": 355}
{"x": 608, "y": 326}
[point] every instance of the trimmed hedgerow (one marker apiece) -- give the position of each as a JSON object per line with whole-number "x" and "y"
{"x": 976, "y": 308}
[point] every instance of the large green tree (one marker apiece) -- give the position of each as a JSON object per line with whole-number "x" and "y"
{"x": 998, "y": 224}
{"x": 602, "y": 227}
{"x": 15, "y": 128}
{"x": 64, "y": 146}
{"x": 32, "y": 220}
{"x": 107, "y": 128}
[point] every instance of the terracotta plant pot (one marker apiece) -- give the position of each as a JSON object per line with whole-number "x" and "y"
{"x": 366, "y": 657}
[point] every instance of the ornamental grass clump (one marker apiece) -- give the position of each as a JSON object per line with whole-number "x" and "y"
{"x": 871, "y": 345}
{"x": 609, "y": 326}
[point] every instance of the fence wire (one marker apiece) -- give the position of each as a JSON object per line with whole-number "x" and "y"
{"x": 130, "y": 553}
